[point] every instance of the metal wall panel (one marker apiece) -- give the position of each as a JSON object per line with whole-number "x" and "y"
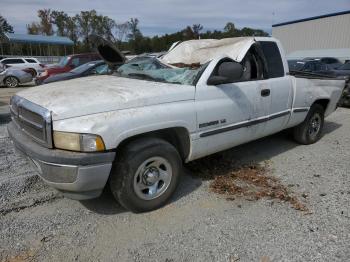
{"x": 324, "y": 33}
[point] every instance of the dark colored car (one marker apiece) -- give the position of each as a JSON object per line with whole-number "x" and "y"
{"x": 332, "y": 62}
{"x": 310, "y": 66}
{"x": 343, "y": 70}
{"x": 88, "y": 69}
{"x": 66, "y": 64}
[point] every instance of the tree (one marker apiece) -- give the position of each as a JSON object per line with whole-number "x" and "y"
{"x": 33, "y": 29}
{"x": 44, "y": 26}
{"x": 188, "y": 33}
{"x": 197, "y": 28}
{"x": 45, "y": 21}
{"x": 121, "y": 31}
{"x": 5, "y": 27}
{"x": 134, "y": 31}
{"x": 60, "y": 19}
{"x": 230, "y": 29}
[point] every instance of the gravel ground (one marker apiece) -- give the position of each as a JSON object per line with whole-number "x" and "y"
{"x": 37, "y": 224}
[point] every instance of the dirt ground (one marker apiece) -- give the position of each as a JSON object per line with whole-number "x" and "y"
{"x": 207, "y": 219}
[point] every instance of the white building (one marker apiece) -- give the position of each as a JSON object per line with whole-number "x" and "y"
{"x": 326, "y": 35}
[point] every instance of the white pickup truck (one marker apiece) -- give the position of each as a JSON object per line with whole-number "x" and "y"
{"x": 132, "y": 130}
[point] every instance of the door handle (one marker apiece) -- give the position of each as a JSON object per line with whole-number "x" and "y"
{"x": 265, "y": 92}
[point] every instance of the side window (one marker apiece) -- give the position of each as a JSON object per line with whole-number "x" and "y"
{"x": 273, "y": 59}
{"x": 309, "y": 67}
{"x": 30, "y": 61}
{"x": 13, "y": 61}
{"x": 76, "y": 62}
{"x": 101, "y": 69}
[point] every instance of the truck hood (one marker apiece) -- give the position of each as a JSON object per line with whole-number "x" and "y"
{"x": 97, "y": 94}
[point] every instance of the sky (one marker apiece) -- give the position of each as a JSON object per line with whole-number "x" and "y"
{"x": 158, "y": 17}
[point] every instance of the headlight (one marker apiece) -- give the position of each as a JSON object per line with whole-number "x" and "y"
{"x": 78, "y": 142}
{"x": 45, "y": 73}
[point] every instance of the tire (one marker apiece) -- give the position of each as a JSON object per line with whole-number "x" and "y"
{"x": 310, "y": 131}
{"x": 145, "y": 175}
{"x": 11, "y": 81}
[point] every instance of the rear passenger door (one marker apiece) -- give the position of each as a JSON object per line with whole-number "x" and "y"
{"x": 275, "y": 91}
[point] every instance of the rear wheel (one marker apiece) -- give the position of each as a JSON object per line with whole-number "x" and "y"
{"x": 310, "y": 131}
{"x": 11, "y": 81}
{"x": 146, "y": 174}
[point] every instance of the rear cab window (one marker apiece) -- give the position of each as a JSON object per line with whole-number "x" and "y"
{"x": 273, "y": 58}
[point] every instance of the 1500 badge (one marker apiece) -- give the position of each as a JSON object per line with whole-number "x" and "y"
{"x": 212, "y": 123}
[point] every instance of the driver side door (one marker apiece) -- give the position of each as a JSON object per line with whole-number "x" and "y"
{"x": 226, "y": 115}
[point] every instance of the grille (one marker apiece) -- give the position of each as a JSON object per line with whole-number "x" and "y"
{"x": 32, "y": 119}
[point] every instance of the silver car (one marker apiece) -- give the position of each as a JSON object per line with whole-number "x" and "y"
{"x": 11, "y": 77}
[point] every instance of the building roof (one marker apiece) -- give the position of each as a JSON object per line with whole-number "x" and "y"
{"x": 312, "y": 18}
{"x": 342, "y": 53}
{"x": 38, "y": 39}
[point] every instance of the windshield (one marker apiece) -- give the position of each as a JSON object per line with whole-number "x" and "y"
{"x": 151, "y": 69}
{"x": 295, "y": 65}
{"x": 64, "y": 61}
{"x": 345, "y": 66}
{"x": 82, "y": 68}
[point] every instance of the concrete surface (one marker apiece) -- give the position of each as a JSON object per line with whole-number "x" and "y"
{"x": 37, "y": 224}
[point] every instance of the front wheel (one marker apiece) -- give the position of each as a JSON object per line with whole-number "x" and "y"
{"x": 310, "y": 131}
{"x": 146, "y": 174}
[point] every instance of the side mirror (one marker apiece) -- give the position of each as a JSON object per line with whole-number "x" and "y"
{"x": 227, "y": 72}
{"x": 217, "y": 80}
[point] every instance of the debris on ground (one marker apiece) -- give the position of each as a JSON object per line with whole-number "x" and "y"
{"x": 251, "y": 182}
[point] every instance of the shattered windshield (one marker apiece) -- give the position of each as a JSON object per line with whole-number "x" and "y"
{"x": 152, "y": 69}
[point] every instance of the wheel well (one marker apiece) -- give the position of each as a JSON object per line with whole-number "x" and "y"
{"x": 176, "y": 136}
{"x": 34, "y": 71}
{"x": 323, "y": 102}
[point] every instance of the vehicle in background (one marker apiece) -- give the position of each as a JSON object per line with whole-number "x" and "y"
{"x": 88, "y": 69}
{"x": 343, "y": 70}
{"x": 310, "y": 66}
{"x": 12, "y": 77}
{"x": 319, "y": 68}
{"x": 332, "y": 62}
{"x": 66, "y": 64}
{"x": 29, "y": 64}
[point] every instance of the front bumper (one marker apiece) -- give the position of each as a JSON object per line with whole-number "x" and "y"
{"x": 77, "y": 175}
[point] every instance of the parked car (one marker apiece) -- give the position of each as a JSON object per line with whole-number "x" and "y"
{"x": 343, "y": 70}
{"x": 332, "y": 62}
{"x": 88, "y": 69}
{"x": 134, "y": 132}
{"x": 30, "y": 64}
{"x": 311, "y": 66}
{"x": 11, "y": 77}
{"x": 66, "y": 64}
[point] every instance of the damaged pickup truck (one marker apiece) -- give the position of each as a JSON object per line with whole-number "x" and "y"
{"x": 133, "y": 129}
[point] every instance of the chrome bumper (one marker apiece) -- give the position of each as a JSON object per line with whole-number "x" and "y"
{"x": 77, "y": 175}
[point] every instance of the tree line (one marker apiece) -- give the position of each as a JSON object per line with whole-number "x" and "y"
{"x": 126, "y": 35}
